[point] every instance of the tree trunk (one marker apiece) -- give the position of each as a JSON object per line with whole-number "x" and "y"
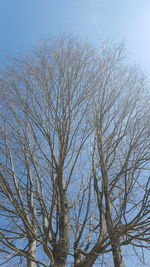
{"x": 32, "y": 252}
{"x": 58, "y": 265}
{"x": 117, "y": 256}
{"x": 60, "y": 253}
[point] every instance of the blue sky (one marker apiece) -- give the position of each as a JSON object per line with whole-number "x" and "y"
{"x": 25, "y": 22}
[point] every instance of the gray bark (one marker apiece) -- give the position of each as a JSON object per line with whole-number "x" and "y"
{"x": 117, "y": 256}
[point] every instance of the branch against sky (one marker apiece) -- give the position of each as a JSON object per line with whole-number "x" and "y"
{"x": 74, "y": 137}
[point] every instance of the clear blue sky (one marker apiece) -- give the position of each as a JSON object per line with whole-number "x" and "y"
{"x": 24, "y": 22}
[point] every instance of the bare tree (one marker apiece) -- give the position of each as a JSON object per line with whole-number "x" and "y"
{"x": 74, "y": 162}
